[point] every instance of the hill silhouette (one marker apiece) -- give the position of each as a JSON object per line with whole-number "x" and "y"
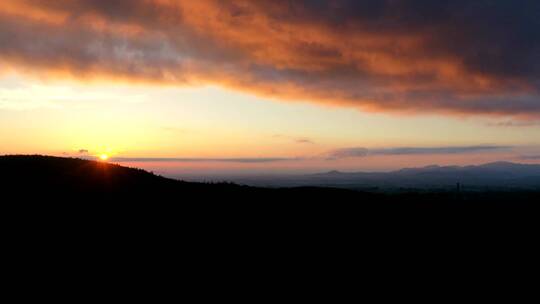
{"x": 72, "y": 179}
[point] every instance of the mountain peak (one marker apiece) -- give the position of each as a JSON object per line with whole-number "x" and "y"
{"x": 334, "y": 172}
{"x": 499, "y": 164}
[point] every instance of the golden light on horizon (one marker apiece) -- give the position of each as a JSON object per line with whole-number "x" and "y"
{"x": 104, "y": 157}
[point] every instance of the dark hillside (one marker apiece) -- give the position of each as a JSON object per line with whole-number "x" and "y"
{"x": 77, "y": 179}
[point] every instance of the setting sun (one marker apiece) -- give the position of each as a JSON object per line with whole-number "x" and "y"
{"x": 104, "y": 157}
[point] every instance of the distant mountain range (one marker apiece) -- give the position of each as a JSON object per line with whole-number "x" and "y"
{"x": 499, "y": 175}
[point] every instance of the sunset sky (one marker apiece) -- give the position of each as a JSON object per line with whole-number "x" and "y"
{"x": 208, "y": 87}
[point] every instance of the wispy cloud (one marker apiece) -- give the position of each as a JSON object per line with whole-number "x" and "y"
{"x": 304, "y": 141}
{"x": 362, "y": 152}
{"x": 530, "y": 157}
{"x": 22, "y": 104}
{"x": 191, "y": 160}
{"x": 298, "y": 140}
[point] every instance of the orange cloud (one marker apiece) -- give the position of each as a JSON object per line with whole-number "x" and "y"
{"x": 405, "y": 56}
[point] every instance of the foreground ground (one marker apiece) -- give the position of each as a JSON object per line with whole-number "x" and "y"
{"x": 80, "y": 200}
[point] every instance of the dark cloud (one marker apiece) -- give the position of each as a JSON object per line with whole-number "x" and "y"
{"x": 361, "y": 152}
{"x": 348, "y": 152}
{"x": 510, "y": 123}
{"x": 461, "y": 56}
{"x": 83, "y": 151}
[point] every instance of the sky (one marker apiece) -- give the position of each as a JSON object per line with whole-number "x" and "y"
{"x": 216, "y": 87}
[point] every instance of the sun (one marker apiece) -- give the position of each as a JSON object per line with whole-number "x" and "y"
{"x": 104, "y": 157}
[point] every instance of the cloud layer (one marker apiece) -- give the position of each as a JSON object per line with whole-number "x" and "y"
{"x": 332, "y": 155}
{"x": 361, "y": 152}
{"x": 461, "y": 57}
{"x": 252, "y": 160}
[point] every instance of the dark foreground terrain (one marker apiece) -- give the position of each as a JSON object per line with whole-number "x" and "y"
{"x": 63, "y": 208}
